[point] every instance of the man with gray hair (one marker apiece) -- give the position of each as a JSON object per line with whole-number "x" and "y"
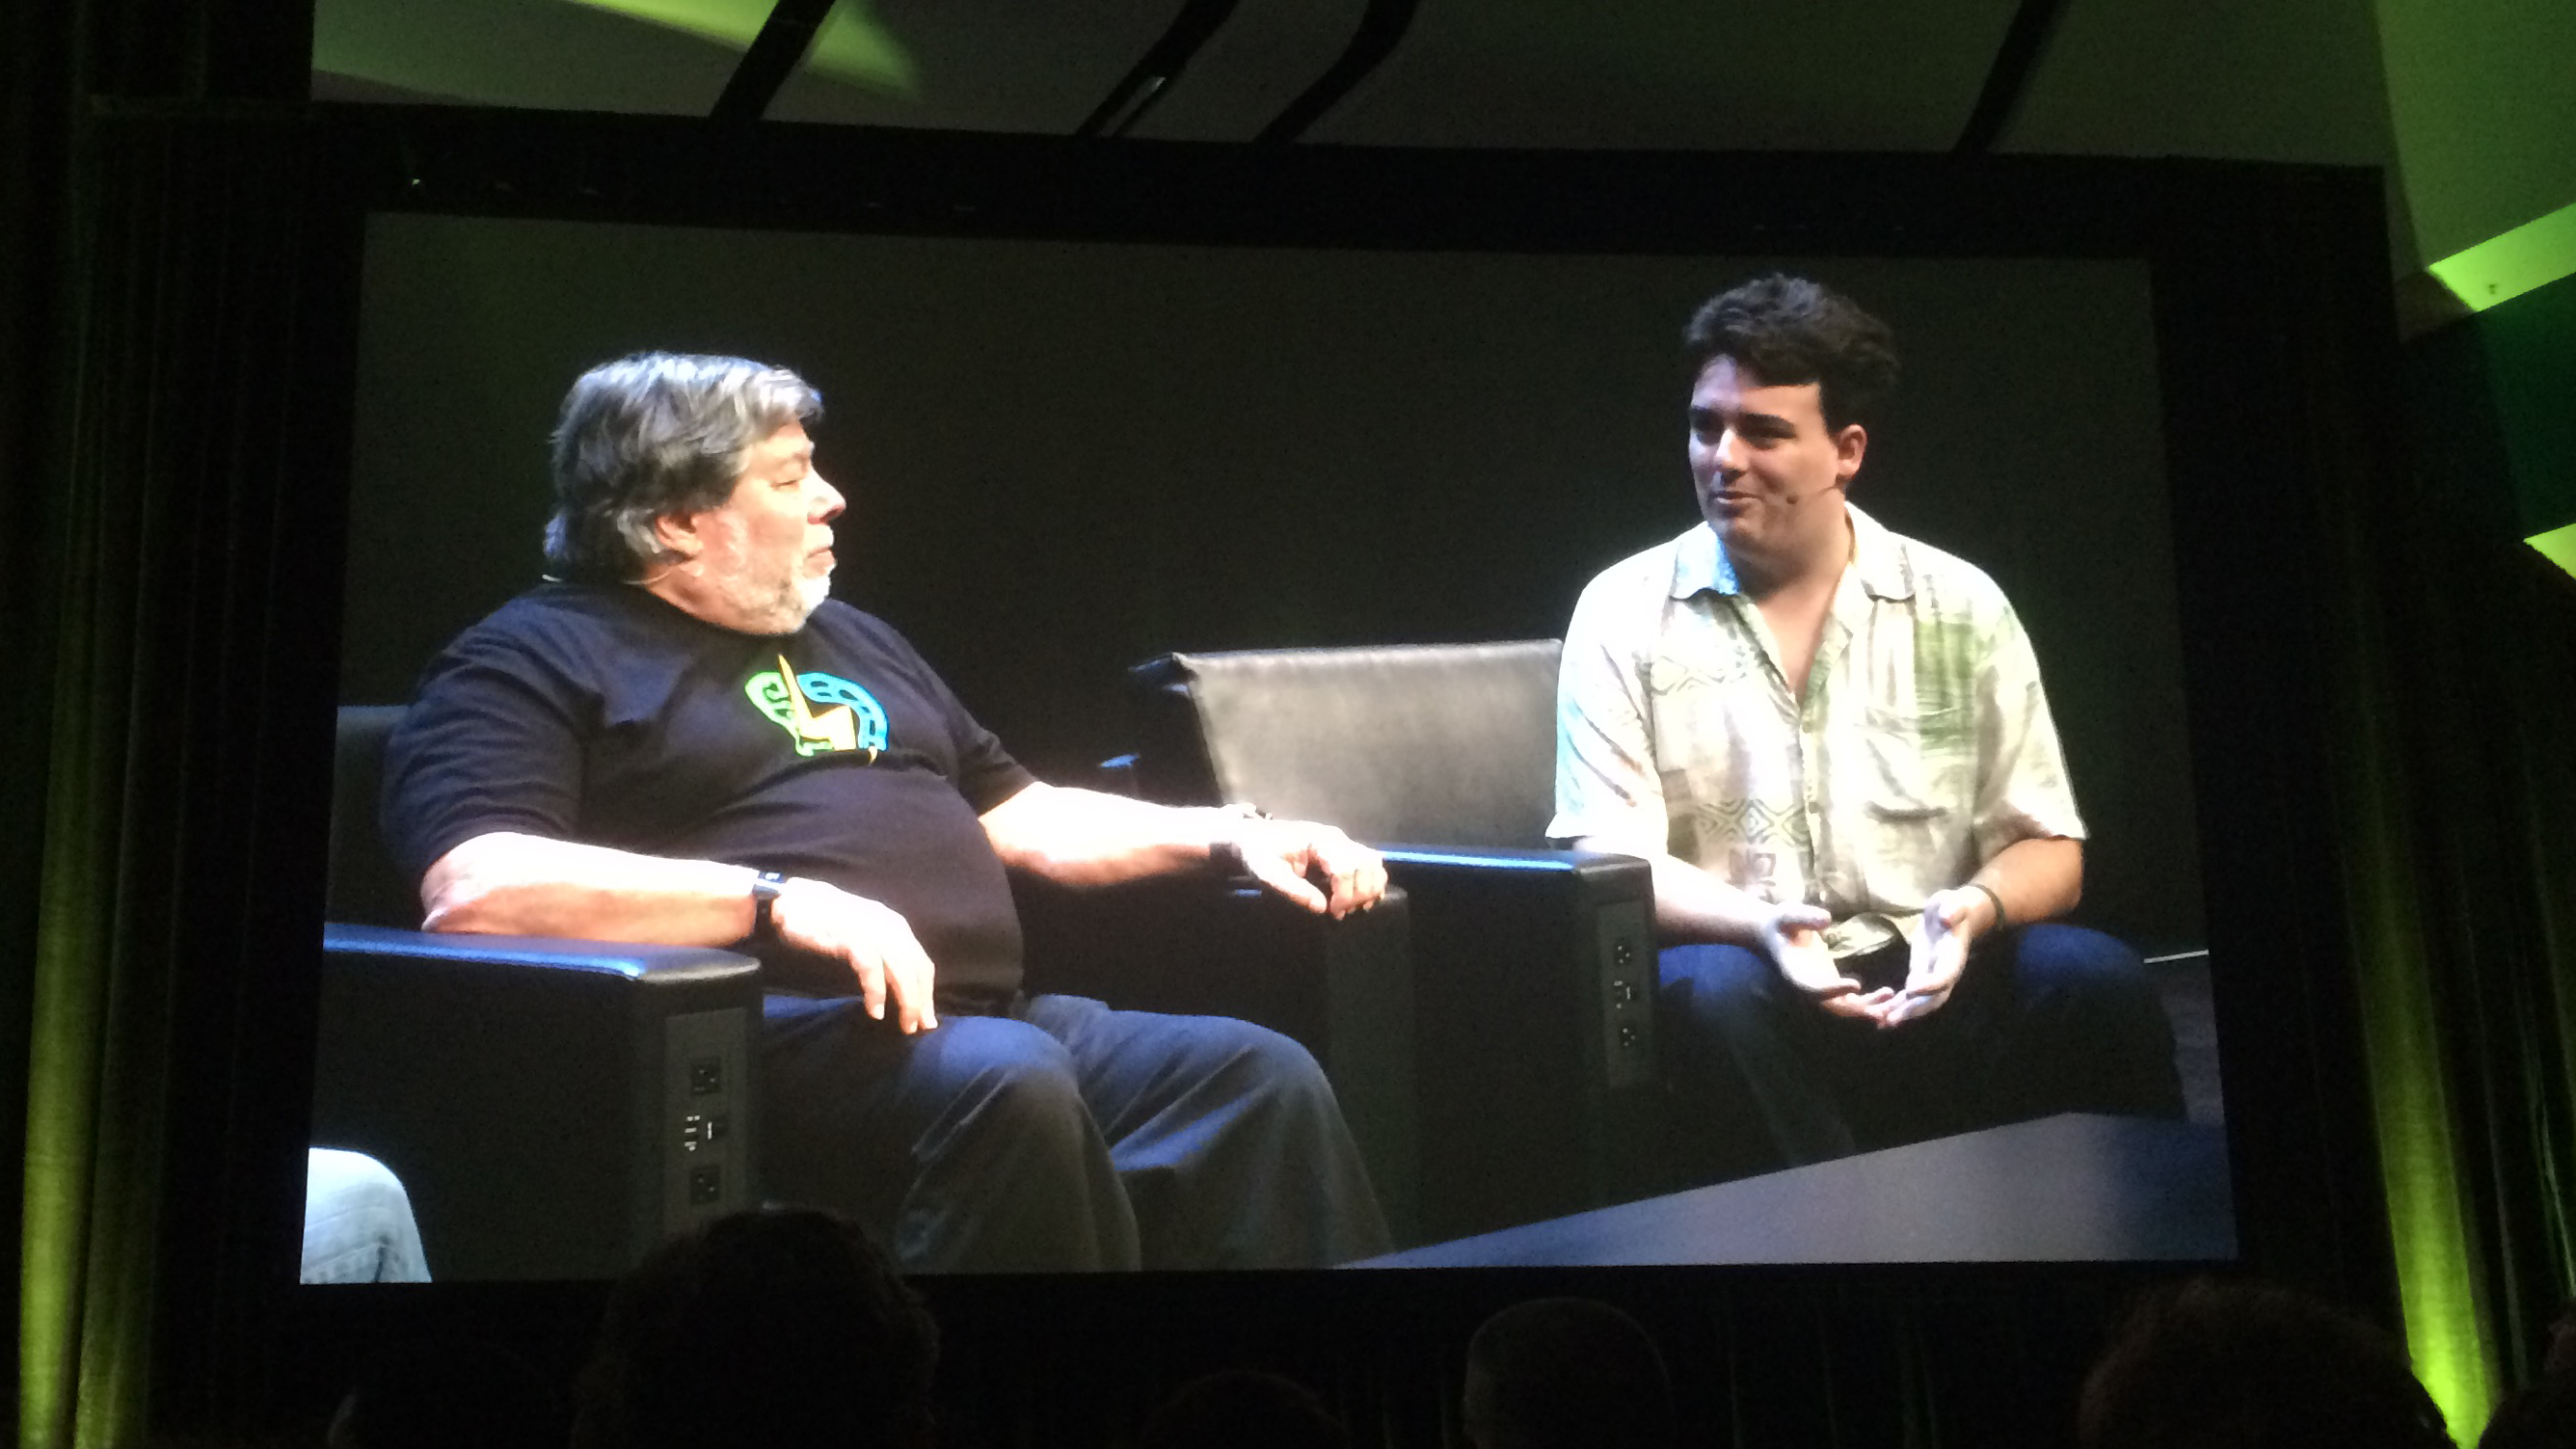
{"x": 680, "y": 737}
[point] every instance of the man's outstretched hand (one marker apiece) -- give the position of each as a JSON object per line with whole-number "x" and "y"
{"x": 1939, "y": 958}
{"x": 1290, "y": 857}
{"x": 1793, "y": 936}
{"x": 873, "y": 939}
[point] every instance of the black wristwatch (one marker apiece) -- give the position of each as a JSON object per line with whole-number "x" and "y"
{"x": 764, "y": 890}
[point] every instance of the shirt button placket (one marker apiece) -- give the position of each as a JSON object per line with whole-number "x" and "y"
{"x": 1817, "y": 867}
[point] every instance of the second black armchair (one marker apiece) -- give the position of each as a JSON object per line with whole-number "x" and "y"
{"x": 1534, "y": 969}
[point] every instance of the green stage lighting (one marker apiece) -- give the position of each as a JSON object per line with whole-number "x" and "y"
{"x": 850, "y": 47}
{"x": 2499, "y": 269}
{"x": 2558, "y": 546}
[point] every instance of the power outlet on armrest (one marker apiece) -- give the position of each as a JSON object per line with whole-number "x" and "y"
{"x": 1627, "y": 995}
{"x": 706, "y": 1149}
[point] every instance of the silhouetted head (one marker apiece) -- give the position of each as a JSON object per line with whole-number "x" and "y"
{"x": 2542, "y": 1413}
{"x": 1566, "y": 1373}
{"x": 2558, "y": 1361}
{"x": 1243, "y": 1409}
{"x": 771, "y": 1329}
{"x": 2216, "y": 1365}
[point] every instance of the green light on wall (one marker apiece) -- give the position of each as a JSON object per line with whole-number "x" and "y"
{"x": 2558, "y": 546}
{"x": 850, "y": 47}
{"x": 2499, "y": 269}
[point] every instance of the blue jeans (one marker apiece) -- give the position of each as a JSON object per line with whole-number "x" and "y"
{"x": 358, "y": 1226}
{"x": 1065, "y": 1136}
{"x": 2047, "y": 1018}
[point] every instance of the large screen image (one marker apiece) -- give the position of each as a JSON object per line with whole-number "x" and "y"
{"x": 1059, "y": 461}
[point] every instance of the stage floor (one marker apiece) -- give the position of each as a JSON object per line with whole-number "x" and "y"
{"x": 2071, "y": 1188}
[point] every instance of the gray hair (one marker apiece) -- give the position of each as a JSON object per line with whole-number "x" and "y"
{"x": 651, "y": 435}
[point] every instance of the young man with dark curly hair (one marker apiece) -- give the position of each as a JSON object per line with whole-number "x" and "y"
{"x": 1831, "y": 743}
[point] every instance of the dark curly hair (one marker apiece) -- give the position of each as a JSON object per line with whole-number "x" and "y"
{"x": 1787, "y": 331}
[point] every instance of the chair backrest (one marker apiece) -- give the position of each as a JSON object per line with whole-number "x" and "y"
{"x": 364, "y": 889}
{"x": 1431, "y": 744}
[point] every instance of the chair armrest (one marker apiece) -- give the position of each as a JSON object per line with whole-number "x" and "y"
{"x": 554, "y": 1107}
{"x": 1343, "y": 989}
{"x": 1534, "y": 990}
{"x": 1477, "y": 906}
{"x": 665, "y": 966}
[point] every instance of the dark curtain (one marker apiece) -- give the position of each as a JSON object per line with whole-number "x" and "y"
{"x": 2444, "y": 651}
{"x": 172, "y": 551}
{"x": 191, "y": 549}
{"x": 177, "y": 331}
{"x": 36, "y": 90}
{"x": 2481, "y": 644}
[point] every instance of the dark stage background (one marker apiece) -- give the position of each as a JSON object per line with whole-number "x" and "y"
{"x": 1064, "y": 458}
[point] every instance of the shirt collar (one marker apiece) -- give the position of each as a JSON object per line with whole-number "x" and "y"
{"x": 1878, "y": 556}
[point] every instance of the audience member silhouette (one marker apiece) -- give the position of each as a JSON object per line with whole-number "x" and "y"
{"x": 2542, "y": 1413}
{"x": 1243, "y": 1409}
{"x": 772, "y": 1329}
{"x": 2221, "y": 1365}
{"x": 1566, "y": 1373}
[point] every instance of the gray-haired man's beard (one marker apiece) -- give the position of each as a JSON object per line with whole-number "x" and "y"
{"x": 774, "y": 606}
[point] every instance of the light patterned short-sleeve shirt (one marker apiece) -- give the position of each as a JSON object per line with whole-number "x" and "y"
{"x": 1921, "y": 748}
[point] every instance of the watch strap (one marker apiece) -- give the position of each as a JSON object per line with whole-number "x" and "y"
{"x": 764, "y": 892}
{"x": 2003, "y": 922}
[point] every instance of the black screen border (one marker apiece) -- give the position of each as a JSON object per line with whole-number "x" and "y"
{"x": 2257, "y": 272}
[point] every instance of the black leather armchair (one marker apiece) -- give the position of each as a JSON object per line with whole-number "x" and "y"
{"x": 556, "y": 1107}
{"x": 1534, "y": 969}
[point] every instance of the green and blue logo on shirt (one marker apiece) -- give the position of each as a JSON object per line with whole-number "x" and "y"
{"x": 822, "y": 713}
